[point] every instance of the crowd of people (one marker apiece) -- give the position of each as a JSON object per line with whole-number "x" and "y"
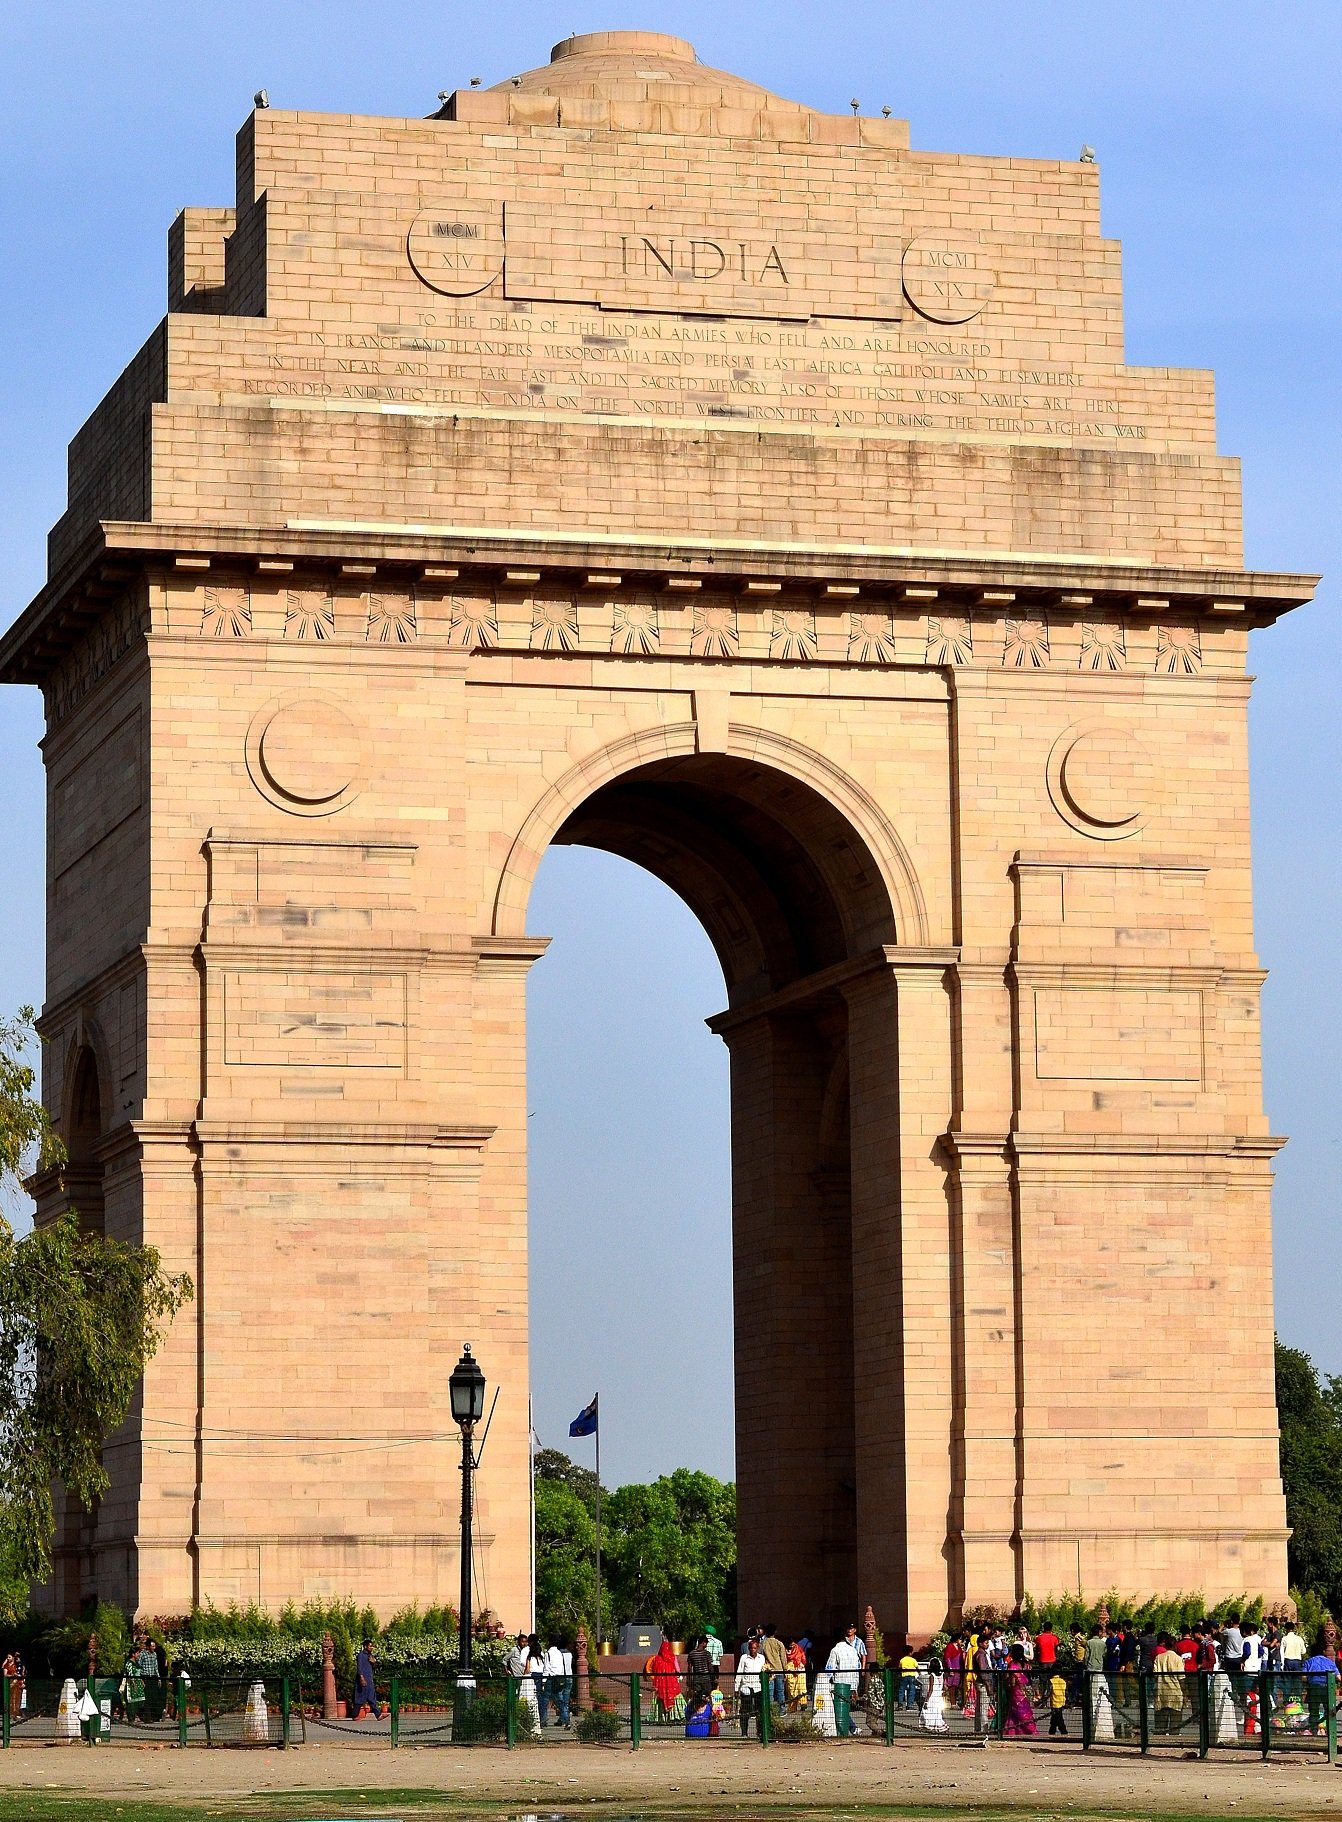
{"x": 545, "y": 1674}
{"x": 1028, "y": 1674}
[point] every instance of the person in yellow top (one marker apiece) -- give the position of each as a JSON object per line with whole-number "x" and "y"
{"x": 908, "y": 1680}
{"x": 1057, "y": 1705}
{"x": 775, "y": 1656}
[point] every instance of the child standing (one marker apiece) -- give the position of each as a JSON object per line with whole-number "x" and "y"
{"x": 1057, "y": 1703}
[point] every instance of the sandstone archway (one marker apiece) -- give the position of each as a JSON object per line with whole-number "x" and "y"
{"x": 849, "y": 581}
{"x": 802, "y": 884}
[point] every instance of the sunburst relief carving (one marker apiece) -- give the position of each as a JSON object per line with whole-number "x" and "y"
{"x": 1103, "y": 648}
{"x": 950, "y": 639}
{"x": 391, "y": 620}
{"x": 474, "y": 623}
{"x": 1026, "y": 645}
{"x": 1178, "y": 650}
{"x": 871, "y": 639}
{"x": 793, "y": 634}
{"x": 309, "y": 617}
{"x": 227, "y": 614}
{"x": 714, "y": 634}
{"x": 554, "y": 624}
{"x": 636, "y": 630}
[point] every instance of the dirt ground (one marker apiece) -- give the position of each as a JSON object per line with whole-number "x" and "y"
{"x": 677, "y": 1776}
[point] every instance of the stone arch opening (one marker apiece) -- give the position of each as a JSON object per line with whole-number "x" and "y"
{"x": 83, "y": 1135}
{"x": 801, "y": 917}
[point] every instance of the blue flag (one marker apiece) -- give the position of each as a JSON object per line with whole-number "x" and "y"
{"x": 584, "y": 1424}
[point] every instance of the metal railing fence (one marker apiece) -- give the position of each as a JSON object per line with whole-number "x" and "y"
{"x": 1208, "y": 1712}
{"x": 214, "y": 1711}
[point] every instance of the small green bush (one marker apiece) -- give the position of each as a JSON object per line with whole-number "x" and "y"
{"x": 794, "y": 1730}
{"x": 483, "y": 1719}
{"x": 598, "y": 1727}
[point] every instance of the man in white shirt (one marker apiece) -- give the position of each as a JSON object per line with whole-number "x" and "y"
{"x": 749, "y": 1666}
{"x": 1292, "y": 1649}
{"x": 558, "y": 1682}
{"x": 844, "y": 1664}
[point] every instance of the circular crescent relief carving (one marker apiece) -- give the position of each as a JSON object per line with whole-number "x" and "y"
{"x": 305, "y": 754}
{"x": 456, "y": 249}
{"x": 947, "y": 276}
{"x": 1102, "y": 779}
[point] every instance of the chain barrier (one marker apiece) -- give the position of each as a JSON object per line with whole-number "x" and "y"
{"x": 1272, "y": 1711}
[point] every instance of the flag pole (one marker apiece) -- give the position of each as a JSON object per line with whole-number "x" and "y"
{"x": 599, "y": 1640}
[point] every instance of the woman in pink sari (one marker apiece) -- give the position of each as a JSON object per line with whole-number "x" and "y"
{"x": 1019, "y": 1723}
{"x": 954, "y": 1658}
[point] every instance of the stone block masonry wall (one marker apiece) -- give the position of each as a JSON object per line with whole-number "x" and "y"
{"x": 629, "y": 458}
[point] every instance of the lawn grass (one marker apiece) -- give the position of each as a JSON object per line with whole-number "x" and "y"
{"x": 418, "y": 1805}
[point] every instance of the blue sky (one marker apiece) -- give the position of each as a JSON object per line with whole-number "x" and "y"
{"x": 1218, "y": 132}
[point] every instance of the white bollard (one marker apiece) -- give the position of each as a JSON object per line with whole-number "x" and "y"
{"x": 256, "y": 1717}
{"x": 67, "y": 1711}
{"x": 822, "y": 1715}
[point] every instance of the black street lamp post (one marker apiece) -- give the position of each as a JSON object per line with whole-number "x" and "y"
{"x": 467, "y": 1387}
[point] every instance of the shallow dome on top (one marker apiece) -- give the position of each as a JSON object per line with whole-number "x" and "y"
{"x": 641, "y": 66}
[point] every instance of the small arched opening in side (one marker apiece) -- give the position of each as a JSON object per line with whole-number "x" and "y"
{"x": 83, "y": 1134}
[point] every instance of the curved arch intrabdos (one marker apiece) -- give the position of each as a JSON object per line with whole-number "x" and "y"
{"x": 788, "y": 863}
{"x": 779, "y": 879}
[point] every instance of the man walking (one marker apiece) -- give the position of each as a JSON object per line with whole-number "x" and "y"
{"x": 775, "y": 1656}
{"x": 558, "y": 1682}
{"x": 983, "y": 1681}
{"x": 844, "y": 1665}
{"x": 750, "y": 1666}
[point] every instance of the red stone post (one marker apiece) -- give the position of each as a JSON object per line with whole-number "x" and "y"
{"x": 328, "y": 1678}
{"x": 582, "y": 1688}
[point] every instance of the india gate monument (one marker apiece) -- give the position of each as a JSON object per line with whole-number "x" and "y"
{"x": 626, "y": 456}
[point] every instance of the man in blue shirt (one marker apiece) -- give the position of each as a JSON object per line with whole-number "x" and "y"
{"x": 1317, "y": 1670}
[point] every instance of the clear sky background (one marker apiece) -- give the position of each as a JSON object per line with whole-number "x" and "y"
{"x": 1219, "y": 132}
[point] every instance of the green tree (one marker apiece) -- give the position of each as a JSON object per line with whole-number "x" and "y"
{"x": 554, "y": 1465}
{"x": 80, "y": 1315}
{"x": 671, "y": 1549}
{"x": 565, "y": 1559}
{"x": 1310, "y": 1415}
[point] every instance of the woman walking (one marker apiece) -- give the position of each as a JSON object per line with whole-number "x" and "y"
{"x": 1020, "y": 1722}
{"x": 933, "y": 1717}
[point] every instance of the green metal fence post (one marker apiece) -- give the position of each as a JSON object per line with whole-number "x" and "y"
{"x": 635, "y": 1713}
{"x": 1330, "y": 1724}
{"x": 284, "y": 1711}
{"x": 512, "y": 1710}
{"x": 4, "y": 1719}
{"x": 1144, "y": 1710}
{"x": 1204, "y": 1713}
{"x": 1087, "y": 1712}
{"x": 999, "y": 1705}
{"x": 205, "y": 1713}
{"x": 394, "y": 1702}
{"x": 888, "y": 1680}
{"x": 1265, "y": 1709}
{"x": 181, "y": 1712}
{"x": 766, "y": 1727}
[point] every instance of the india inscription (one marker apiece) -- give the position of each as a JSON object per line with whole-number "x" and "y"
{"x": 626, "y": 456}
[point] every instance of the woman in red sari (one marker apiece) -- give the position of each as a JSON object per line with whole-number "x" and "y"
{"x": 666, "y": 1683}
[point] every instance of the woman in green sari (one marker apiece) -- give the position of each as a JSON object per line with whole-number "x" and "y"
{"x": 131, "y": 1688}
